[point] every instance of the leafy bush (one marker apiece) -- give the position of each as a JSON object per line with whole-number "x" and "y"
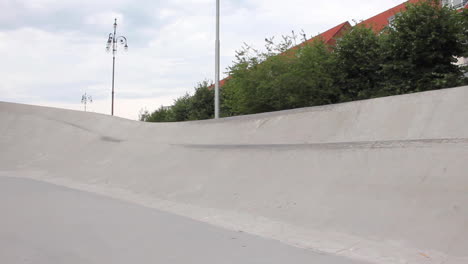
{"x": 420, "y": 49}
{"x": 188, "y": 107}
{"x": 358, "y": 58}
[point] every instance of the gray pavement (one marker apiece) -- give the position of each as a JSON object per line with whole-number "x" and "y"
{"x": 43, "y": 223}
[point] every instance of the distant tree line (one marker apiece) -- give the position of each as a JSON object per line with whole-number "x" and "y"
{"x": 198, "y": 106}
{"x": 416, "y": 52}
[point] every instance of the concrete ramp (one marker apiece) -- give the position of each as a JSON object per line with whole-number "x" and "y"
{"x": 382, "y": 180}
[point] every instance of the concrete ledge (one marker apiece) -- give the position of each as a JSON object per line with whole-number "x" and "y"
{"x": 383, "y": 180}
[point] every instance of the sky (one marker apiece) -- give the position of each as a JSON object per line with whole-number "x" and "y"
{"x": 53, "y": 51}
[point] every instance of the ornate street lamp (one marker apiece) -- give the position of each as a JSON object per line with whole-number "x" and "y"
{"x": 85, "y": 99}
{"x": 112, "y": 43}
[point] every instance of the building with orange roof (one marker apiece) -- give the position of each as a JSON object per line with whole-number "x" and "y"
{"x": 377, "y": 23}
{"x": 328, "y": 37}
{"x": 382, "y": 20}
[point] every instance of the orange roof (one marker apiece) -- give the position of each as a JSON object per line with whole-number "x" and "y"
{"x": 329, "y": 36}
{"x": 380, "y": 21}
{"x": 221, "y": 83}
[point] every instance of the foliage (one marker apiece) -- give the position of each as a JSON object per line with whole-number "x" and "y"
{"x": 283, "y": 77}
{"x": 358, "y": 58}
{"x": 464, "y": 39}
{"x": 315, "y": 76}
{"x": 420, "y": 49}
{"x": 202, "y": 102}
{"x": 162, "y": 114}
{"x": 188, "y": 107}
{"x": 255, "y": 84}
{"x": 181, "y": 108}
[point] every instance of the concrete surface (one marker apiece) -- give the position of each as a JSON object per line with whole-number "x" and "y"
{"x": 382, "y": 180}
{"x": 48, "y": 224}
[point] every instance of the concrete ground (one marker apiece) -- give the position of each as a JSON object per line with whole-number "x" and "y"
{"x": 43, "y": 223}
{"x": 381, "y": 180}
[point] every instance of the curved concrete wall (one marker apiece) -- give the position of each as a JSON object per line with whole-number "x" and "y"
{"x": 385, "y": 180}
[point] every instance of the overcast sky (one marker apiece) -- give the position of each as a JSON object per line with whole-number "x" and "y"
{"x": 53, "y": 51}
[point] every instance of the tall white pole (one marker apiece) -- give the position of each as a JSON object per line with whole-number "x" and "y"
{"x": 216, "y": 99}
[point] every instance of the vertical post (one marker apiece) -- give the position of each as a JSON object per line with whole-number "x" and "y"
{"x": 217, "y": 45}
{"x": 113, "y": 64}
{"x": 112, "y": 41}
{"x": 113, "y": 73}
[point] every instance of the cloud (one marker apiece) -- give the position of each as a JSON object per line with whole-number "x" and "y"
{"x": 103, "y": 19}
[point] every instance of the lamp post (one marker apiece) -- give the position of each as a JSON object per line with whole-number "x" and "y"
{"x": 216, "y": 99}
{"x": 112, "y": 42}
{"x": 85, "y": 99}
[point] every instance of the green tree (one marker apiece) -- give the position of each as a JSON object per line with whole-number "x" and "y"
{"x": 280, "y": 78}
{"x": 314, "y": 75}
{"x": 202, "y": 102}
{"x": 181, "y": 108}
{"x": 358, "y": 58}
{"x": 255, "y": 83}
{"x": 420, "y": 48}
{"x": 464, "y": 40}
{"x": 187, "y": 107}
{"x": 162, "y": 114}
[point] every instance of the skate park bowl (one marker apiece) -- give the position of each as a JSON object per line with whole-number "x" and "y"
{"x": 382, "y": 180}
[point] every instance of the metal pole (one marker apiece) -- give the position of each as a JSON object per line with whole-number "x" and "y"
{"x": 217, "y": 45}
{"x": 112, "y": 41}
{"x": 113, "y": 64}
{"x": 113, "y": 73}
